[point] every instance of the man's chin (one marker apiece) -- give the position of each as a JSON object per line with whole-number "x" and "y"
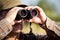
{"x": 17, "y": 28}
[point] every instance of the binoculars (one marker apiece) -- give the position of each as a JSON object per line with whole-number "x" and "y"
{"x": 26, "y": 14}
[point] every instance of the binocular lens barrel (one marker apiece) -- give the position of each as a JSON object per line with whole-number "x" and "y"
{"x": 23, "y": 13}
{"x": 26, "y": 14}
{"x": 33, "y": 12}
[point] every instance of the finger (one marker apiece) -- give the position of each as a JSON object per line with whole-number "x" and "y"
{"x": 31, "y": 20}
{"x": 40, "y": 10}
{"x": 41, "y": 13}
{"x": 13, "y": 23}
{"x": 26, "y": 20}
{"x": 26, "y": 8}
{"x": 37, "y": 20}
{"x": 15, "y": 10}
{"x": 18, "y": 21}
{"x": 12, "y": 14}
{"x": 29, "y": 8}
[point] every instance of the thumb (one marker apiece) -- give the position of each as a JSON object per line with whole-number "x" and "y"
{"x": 12, "y": 14}
{"x": 30, "y": 20}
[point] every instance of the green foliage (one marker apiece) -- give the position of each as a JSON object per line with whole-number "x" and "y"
{"x": 49, "y": 9}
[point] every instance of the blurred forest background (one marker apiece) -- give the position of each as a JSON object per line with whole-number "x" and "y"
{"x": 50, "y": 7}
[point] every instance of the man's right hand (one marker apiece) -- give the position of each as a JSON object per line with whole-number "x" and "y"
{"x": 11, "y": 15}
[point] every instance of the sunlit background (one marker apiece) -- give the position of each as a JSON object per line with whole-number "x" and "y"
{"x": 50, "y": 7}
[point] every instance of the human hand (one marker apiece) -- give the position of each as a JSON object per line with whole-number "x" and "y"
{"x": 40, "y": 18}
{"x": 11, "y": 15}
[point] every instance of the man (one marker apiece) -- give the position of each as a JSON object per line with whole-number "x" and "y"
{"x": 8, "y": 22}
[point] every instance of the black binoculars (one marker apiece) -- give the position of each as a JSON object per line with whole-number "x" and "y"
{"x": 26, "y": 14}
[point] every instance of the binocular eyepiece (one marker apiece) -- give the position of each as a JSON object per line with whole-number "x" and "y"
{"x": 26, "y": 14}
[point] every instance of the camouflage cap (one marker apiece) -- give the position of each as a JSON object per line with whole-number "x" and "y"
{"x": 6, "y": 4}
